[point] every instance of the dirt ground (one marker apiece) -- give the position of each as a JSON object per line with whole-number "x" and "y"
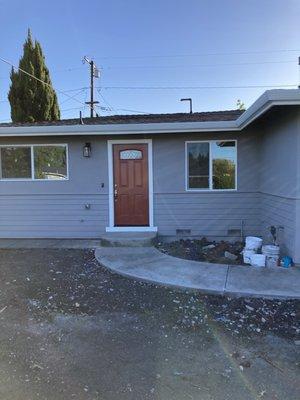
{"x": 203, "y": 250}
{"x": 72, "y": 330}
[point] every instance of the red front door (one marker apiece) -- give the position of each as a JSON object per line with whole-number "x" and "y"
{"x": 131, "y": 189}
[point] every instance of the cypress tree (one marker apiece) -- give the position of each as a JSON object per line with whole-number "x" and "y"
{"x": 31, "y": 100}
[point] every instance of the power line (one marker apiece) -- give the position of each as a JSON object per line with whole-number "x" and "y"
{"x": 119, "y": 109}
{"x": 79, "y": 108}
{"x": 63, "y": 102}
{"x": 194, "y": 87}
{"x": 75, "y": 95}
{"x": 40, "y": 80}
{"x": 196, "y": 66}
{"x": 134, "y": 111}
{"x": 202, "y": 54}
{"x": 74, "y": 90}
{"x": 69, "y": 109}
{"x": 105, "y": 109}
{"x": 66, "y": 69}
{"x": 105, "y": 101}
{"x": 85, "y": 100}
{"x": 174, "y": 66}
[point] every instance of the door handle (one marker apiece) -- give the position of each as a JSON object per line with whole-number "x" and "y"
{"x": 116, "y": 193}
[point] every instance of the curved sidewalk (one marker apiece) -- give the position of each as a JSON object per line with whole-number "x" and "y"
{"x": 150, "y": 265}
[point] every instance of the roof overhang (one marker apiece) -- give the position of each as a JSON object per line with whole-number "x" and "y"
{"x": 271, "y": 98}
{"x": 276, "y": 97}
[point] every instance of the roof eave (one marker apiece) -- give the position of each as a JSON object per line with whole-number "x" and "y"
{"x": 270, "y": 98}
{"x": 276, "y": 97}
{"x": 119, "y": 129}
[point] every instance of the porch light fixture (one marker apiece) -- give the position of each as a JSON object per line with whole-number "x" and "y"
{"x": 87, "y": 150}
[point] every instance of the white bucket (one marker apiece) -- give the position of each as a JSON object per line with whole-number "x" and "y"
{"x": 253, "y": 243}
{"x": 272, "y": 255}
{"x": 258, "y": 260}
{"x": 272, "y": 261}
{"x": 247, "y": 255}
{"x": 270, "y": 249}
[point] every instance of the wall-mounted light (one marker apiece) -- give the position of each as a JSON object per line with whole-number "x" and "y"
{"x": 87, "y": 150}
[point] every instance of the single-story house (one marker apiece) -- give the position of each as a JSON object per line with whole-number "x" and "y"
{"x": 216, "y": 174}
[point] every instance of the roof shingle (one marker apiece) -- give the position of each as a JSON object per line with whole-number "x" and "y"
{"x": 229, "y": 115}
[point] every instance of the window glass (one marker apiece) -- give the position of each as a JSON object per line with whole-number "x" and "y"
{"x": 212, "y": 165}
{"x": 224, "y": 165}
{"x": 50, "y": 162}
{"x": 198, "y": 165}
{"x": 131, "y": 155}
{"x": 15, "y": 162}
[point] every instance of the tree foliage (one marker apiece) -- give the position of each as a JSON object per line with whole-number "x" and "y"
{"x": 240, "y": 105}
{"x": 223, "y": 174}
{"x": 49, "y": 161}
{"x": 31, "y": 100}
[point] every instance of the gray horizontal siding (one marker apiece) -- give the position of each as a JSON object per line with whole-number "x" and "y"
{"x": 57, "y": 209}
{"x": 279, "y": 178}
{"x": 53, "y": 216}
{"x": 280, "y": 212}
{"x": 207, "y": 214}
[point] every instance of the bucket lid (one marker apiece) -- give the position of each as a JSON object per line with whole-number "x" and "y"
{"x": 271, "y": 248}
{"x": 253, "y": 238}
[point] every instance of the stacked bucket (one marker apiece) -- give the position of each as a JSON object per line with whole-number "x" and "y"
{"x": 269, "y": 255}
{"x": 272, "y": 255}
{"x": 250, "y": 253}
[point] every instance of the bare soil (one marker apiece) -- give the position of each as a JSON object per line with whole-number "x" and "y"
{"x": 203, "y": 250}
{"x": 72, "y": 330}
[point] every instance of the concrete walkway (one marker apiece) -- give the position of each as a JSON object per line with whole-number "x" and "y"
{"x": 150, "y": 265}
{"x": 49, "y": 243}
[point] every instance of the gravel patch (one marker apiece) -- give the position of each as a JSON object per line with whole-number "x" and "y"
{"x": 86, "y": 288}
{"x": 70, "y": 329}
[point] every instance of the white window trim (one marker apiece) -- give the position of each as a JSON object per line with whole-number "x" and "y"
{"x": 210, "y": 189}
{"x": 112, "y": 227}
{"x": 33, "y": 179}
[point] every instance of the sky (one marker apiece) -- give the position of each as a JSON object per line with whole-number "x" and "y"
{"x": 157, "y": 44}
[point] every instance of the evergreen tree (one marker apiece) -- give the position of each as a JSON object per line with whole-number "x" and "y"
{"x": 31, "y": 100}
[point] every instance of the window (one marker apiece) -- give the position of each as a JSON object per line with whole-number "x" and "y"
{"x": 34, "y": 162}
{"x": 50, "y": 162}
{"x": 224, "y": 165}
{"x": 16, "y": 162}
{"x": 211, "y": 165}
{"x": 131, "y": 155}
{"x": 198, "y": 165}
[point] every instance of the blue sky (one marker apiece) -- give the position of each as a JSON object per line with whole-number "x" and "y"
{"x": 156, "y": 43}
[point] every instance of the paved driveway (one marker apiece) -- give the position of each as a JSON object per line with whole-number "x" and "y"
{"x": 71, "y": 330}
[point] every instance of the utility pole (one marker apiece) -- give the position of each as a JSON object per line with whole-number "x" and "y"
{"x": 94, "y": 72}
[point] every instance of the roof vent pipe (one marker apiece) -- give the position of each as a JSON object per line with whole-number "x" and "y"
{"x": 299, "y": 71}
{"x": 191, "y": 103}
{"x": 80, "y": 118}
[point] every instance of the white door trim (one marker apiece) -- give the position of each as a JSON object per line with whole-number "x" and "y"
{"x": 112, "y": 227}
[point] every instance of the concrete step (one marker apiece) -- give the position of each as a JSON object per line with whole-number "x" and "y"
{"x": 128, "y": 239}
